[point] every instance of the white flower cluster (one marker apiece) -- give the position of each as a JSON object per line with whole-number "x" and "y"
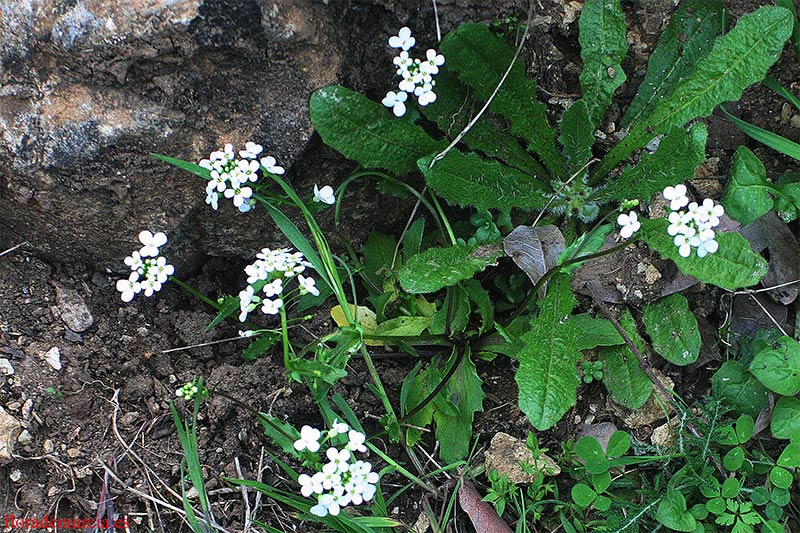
{"x": 342, "y": 480}
{"x": 417, "y": 74}
{"x": 232, "y": 175}
{"x": 267, "y": 275}
{"x": 694, "y": 227}
{"x": 149, "y": 271}
{"x": 188, "y": 391}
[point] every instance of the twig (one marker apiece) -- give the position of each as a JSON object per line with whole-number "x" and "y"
{"x": 436, "y": 18}
{"x": 209, "y": 343}
{"x": 23, "y": 243}
{"x": 246, "y": 511}
{"x": 765, "y": 289}
{"x": 477, "y": 117}
{"x": 772, "y": 318}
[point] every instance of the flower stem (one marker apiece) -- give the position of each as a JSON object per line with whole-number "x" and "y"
{"x": 285, "y": 336}
{"x": 191, "y": 290}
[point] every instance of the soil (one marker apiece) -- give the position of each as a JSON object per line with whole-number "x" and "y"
{"x": 103, "y": 419}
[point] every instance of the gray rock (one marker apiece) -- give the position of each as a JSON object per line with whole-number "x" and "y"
{"x": 73, "y": 310}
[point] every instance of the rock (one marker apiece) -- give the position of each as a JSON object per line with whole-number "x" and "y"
{"x": 24, "y": 438}
{"x": 15, "y": 475}
{"x": 506, "y": 453}
{"x": 652, "y": 410}
{"x": 48, "y": 446}
{"x": 6, "y": 369}
{"x": 10, "y": 428}
{"x": 73, "y": 310}
{"x": 73, "y": 453}
{"x": 422, "y": 524}
{"x": 601, "y": 431}
{"x": 665, "y": 435}
{"x": 27, "y": 409}
{"x": 53, "y": 358}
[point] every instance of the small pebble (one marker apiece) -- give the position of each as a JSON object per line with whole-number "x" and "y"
{"x": 6, "y": 369}
{"x": 15, "y": 475}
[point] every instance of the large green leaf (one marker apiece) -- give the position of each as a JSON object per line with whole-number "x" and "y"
{"x": 595, "y": 332}
{"x": 436, "y": 268}
{"x": 748, "y": 194}
{"x": 577, "y": 137}
{"x": 687, "y": 38}
{"x": 737, "y": 387}
{"x": 622, "y": 374}
{"x": 738, "y": 59}
{"x": 673, "y": 329}
{"x": 673, "y": 162}
{"x": 468, "y": 179}
{"x": 778, "y": 367}
{"x": 603, "y": 48}
{"x": 733, "y": 266}
{"x": 482, "y": 58}
{"x": 672, "y": 512}
{"x": 364, "y": 131}
{"x": 454, "y": 109}
{"x": 454, "y": 432}
{"x": 547, "y": 376}
{"x": 785, "y": 421}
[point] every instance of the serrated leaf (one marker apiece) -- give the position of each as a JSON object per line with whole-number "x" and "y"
{"x": 281, "y": 433}
{"x": 747, "y": 196}
{"x": 734, "y": 385}
{"x": 778, "y": 367}
{"x": 547, "y": 376}
{"x": 687, "y": 38}
{"x": 785, "y": 418}
{"x": 454, "y": 433}
{"x": 469, "y": 180}
{"x": 436, "y": 268}
{"x": 577, "y": 137}
{"x": 622, "y": 374}
{"x": 454, "y": 109}
{"x": 733, "y": 266}
{"x": 738, "y": 59}
{"x": 678, "y": 154}
{"x": 364, "y": 131}
{"x": 480, "y": 297}
{"x": 454, "y": 313}
{"x": 673, "y": 329}
{"x": 482, "y": 59}
{"x": 603, "y": 48}
{"x": 258, "y": 347}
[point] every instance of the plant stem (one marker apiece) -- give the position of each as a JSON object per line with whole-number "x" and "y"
{"x": 285, "y": 335}
{"x": 444, "y": 219}
{"x": 191, "y": 290}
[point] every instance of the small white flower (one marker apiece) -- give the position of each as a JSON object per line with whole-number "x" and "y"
{"x": 706, "y": 247}
{"x": 403, "y": 39}
{"x": 273, "y": 289}
{"x": 434, "y": 61}
{"x": 151, "y": 243}
{"x": 630, "y": 224}
{"x": 406, "y": 85}
{"x": 427, "y": 97}
{"x": 251, "y": 150}
{"x": 129, "y": 287}
{"x": 245, "y": 301}
{"x": 150, "y": 286}
{"x": 356, "y": 441}
{"x": 307, "y": 285}
{"x": 162, "y": 270}
{"x": 309, "y": 439}
{"x": 326, "y": 505}
{"x": 212, "y": 199}
{"x": 710, "y": 212}
{"x": 676, "y": 196}
{"x": 246, "y": 333}
{"x": 337, "y": 428}
{"x": 218, "y": 181}
{"x": 403, "y": 62}
{"x": 269, "y": 164}
{"x": 271, "y": 307}
{"x": 309, "y": 485}
{"x": 396, "y": 101}
{"x": 324, "y": 195}
{"x": 239, "y": 195}
{"x": 339, "y": 460}
{"x": 680, "y": 224}
{"x": 135, "y": 262}
{"x": 684, "y": 245}
{"x": 248, "y": 170}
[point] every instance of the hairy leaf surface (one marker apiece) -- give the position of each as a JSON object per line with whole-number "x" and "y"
{"x": 363, "y": 130}
{"x": 577, "y": 137}
{"x": 436, "y": 268}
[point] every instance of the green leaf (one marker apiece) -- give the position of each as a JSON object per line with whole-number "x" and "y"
{"x": 618, "y": 444}
{"x": 403, "y": 326}
{"x": 229, "y": 306}
{"x": 789, "y": 4}
{"x": 583, "y": 495}
{"x": 547, "y": 376}
{"x": 687, "y": 38}
{"x": 412, "y": 243}
{"x": 731, "y": 487}
{"x": 745, "y": 427}
{"x": 780, "y": 477}
{"x": 733, "y": 266}
{"x": 790, "y": 456}
{"x": 778, "y": 367}
{"x": 436, "y": 268}
{"x": 738, "y": 59}
{"x": 577, "y": 137}
{"x": 454, "y": 433}
{"x": 469, "y": 180}
{"x": 590, "y": 450}
{"x": 672, "y": 512}
{"x": 415, "y": 389}
{"x": 282, "y": 434}
{"x": 673, "y": 328}
{"x": 734, "y": 385}
{"x": 766, "y": 137}
{"x": 603, "y": 48}
{"x": 482, "y": 59}
{"x": 194, "y": 168}
{"x": 623, "y": 375}
{"x": 455, "y": 108}
{"x": 678, "y": 154}
{"x": 258, "y": 347}
{"x": 785, "y": 418}
{"x": 480, "y": 297}
{"x": 747, "y": 196}
{"x": 378, "y": 253}
{"x": 595, "y": 332}
{"x": 734, "y": 459}
{"x": 457, "y": 315}
{"x": 364, "y": 131}
{"x": 587, "y": 244}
